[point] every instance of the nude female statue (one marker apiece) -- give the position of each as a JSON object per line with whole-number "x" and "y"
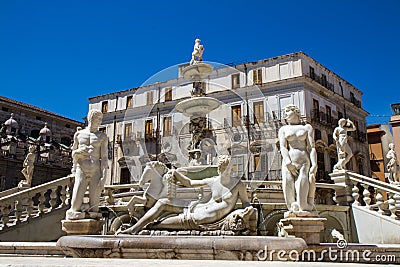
{"x": 299, "y": 164}
{"x": 393, "y": 165}
{"x": 28, "y": 165}
{"x": 225, "y": 191}
{"x": 343, "y": 148}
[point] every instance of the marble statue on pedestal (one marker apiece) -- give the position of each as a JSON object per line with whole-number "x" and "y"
{"x": 28, "y": 165}
{"x": 197, "y": 54}
{"x": 343, "y": 149}
{"x": 201, "y": 215}
{"x": 89, "y": 153}
{"x": 393, "y": 165}
{"x": 299, "y": 164}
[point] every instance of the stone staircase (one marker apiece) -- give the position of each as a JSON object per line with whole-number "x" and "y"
{"x": 35, "y": 214}
{"x": 375, "y": 207}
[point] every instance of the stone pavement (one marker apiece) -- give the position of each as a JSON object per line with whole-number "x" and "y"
{"x": 94, "y": 262}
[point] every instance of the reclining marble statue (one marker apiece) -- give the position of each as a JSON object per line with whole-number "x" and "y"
{"x": 89, "y": 153}
{"x": 343, "y": 149}
{"x": 215, "y": 213}
{"x": 299, "y": 162}
{"x": 393, "y": 165}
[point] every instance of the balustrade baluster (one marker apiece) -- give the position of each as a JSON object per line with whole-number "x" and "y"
{"x": 63, "y": 196}
{"x": 396, "y": 198}
{"x": 379, "y": 202}
{"x": 42, "y": 200}
{"x": 367, "y": 198}
{"x": 29, "y": 207}
{"x": 5, "y": 212}
{"x": 18, "y": 209}
{"x": 53, "y": 198}
{"x": 356, "y": 195}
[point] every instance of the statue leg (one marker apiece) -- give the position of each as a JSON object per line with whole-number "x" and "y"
{"x": 135, "y": 200}
{"x": 302, "y": 188}
{"x": 95, "y": 192}
{"x": 78, "y": 192}
{"x": 288, "y": 187}
{"x": 152, "y": 214}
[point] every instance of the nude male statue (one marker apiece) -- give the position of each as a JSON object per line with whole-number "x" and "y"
{"x": 299, "y": 164}
{"x": 343, "y": 148}
{"x": 225, "y": 191}
{"x": 89, "y": 153}
{"x": 198, "y": 50}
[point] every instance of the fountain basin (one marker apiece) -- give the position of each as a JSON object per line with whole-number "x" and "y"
{"x": 197, "y": 106}
{"x": 177, "y": 247}
{"x": 197, "y": 71}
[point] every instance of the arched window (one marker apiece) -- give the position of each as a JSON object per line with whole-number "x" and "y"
{"x": 34, "y": 133}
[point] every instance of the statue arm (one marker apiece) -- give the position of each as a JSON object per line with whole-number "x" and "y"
{"x": 313, "y": 152}
{"x": 243, "y": 195}
{"x": 187, "y": 182}
{"x": 104, "y": 155}
{"x": 285, "y": 153}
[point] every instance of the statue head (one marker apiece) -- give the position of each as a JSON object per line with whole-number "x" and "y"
{"x": 342, "y": 122}
{"x": 31, "y": 149}
{"x": 223, "y": 163}
{"x": 94, "y": 118}
{"x": 197, "y": 40}
{"x": 391, "y": 146}
{"x": 292, "y": 113}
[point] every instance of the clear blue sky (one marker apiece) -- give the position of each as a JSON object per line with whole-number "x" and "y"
{"x": 56, "y": 54}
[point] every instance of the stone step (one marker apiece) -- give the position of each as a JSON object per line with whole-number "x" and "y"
{"x": 30, "y": 249}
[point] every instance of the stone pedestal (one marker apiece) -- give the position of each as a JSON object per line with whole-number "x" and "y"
{"x": 82, "y": 227}
{"x": 307, "y": 227}
{"x": 343, "y": 196}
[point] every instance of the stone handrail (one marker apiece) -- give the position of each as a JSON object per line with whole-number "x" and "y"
{"x": 252, "y": 186}
{"x": 34, "y": 202}
{"x": 384, "y": 198}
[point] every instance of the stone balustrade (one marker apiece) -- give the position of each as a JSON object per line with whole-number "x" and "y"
{"x": 34, "y": 202}
{"x": 373, "y": 194}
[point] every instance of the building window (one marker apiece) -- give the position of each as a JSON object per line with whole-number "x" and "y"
{"x": 328, "y": 114}
{"x": 235, "y": 81}
{"x": 257, "y": 76}
{"x": 237, "y": 166}
{"x": 340, "y": 115}
{"x": 125, "y": 176}
{"x": 236, "y": 115}
{"x": 324, "y": 82}
{"x": 104, "y": 106}
{"x": 321, "y": 166}
{"x": 4, "y": 109}
{"x": 149, "y": 98}
{"x": 315, "y": 113}
{"x": 102, "y": 129}
{"x": 168, "y": 94}
{"x": 38, "y": 118}
{"x": 34, "y": 133}
{"x": 312, "y": 73}
{"x": 129, "y": 101}
{"x": 128, "y": 131}
{"x": 317, "y": 134}
{"x": 167, "y": 129}
{"x": 149, "y": 128}
{"x": 67, "y": 126}
{"x": 258, "y": 112}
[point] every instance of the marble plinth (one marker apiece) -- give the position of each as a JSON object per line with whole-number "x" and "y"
{"x": 305, "y": 227}
{"x": 176, "y": 247}
{"x": 82, "y": 227}
{"x": 198, "y": 106}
